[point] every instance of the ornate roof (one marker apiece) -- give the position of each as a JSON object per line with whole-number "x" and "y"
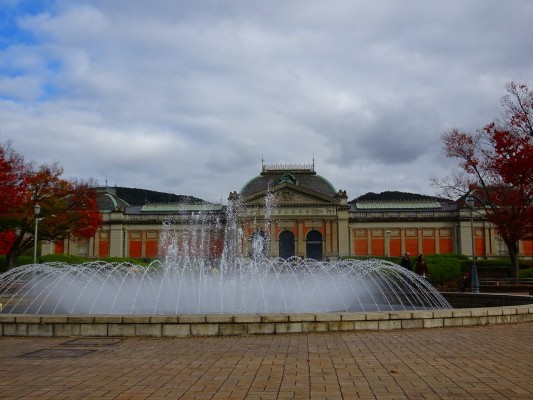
{"x": 303, "y": 177}
{"x": 108, "y": 201}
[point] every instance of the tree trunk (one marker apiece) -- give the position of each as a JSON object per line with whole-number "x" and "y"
{"x": 12, "y": 257}
{"x": 512, "y": 248}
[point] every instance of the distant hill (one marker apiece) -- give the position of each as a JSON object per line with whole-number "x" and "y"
{"x": 139, "y": 197}
{"x": 393, "y": 196}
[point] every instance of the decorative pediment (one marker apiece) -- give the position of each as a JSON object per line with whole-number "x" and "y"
{"x": 286, "y": 194}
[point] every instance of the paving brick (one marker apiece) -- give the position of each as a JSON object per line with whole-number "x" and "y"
{"x": 478, "y": 362}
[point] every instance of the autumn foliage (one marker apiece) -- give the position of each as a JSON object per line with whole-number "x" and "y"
{"x": 68, "y": 208}
{"x": 497, "y": 161}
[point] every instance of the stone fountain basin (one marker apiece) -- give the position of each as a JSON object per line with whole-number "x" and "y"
{"x": 474, "y": 309}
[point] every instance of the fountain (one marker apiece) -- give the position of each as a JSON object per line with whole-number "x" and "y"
{"x": 188, "y": 279}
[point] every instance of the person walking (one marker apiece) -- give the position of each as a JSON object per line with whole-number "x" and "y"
{"x": 406, "y": 262}
{"x": 421, "y": 268}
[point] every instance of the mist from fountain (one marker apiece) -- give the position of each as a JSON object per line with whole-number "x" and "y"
{"x": 191, "y": 277}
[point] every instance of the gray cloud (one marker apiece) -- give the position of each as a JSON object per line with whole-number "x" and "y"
{"x": 188, "y": 96}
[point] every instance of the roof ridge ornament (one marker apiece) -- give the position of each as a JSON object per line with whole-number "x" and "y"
{"x": 287, "y": 177}
{"x": 284, "y": 168}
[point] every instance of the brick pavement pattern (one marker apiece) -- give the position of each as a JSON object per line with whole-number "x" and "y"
{"x": 484, "y": 362}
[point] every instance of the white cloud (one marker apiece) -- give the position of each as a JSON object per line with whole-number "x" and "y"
{"x": 188, "y": 96}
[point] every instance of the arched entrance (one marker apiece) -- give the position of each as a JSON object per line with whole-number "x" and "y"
{"x": 286, "y": 244}
{"x": 313, "y": 245}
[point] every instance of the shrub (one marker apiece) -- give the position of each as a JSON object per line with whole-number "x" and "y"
{"x": 65, "y": 258}
{"x": 526, "y": 273}
{"x": 24, "y": 260}
{"x": 493, "y": 268}
{"x": 444, "y": 267}
{"x": 142, "y": 262}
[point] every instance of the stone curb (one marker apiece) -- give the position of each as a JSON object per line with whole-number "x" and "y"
{"x": 253, "y": 324}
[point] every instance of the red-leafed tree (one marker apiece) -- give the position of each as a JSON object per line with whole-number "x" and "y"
{"x": 68, "y": 208}
{"x": 497, "y": 169}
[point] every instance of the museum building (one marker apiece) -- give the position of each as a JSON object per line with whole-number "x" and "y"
{"x": 295, "y": 212}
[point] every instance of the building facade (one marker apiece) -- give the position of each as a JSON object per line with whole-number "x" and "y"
{"x": 290, "y": 210}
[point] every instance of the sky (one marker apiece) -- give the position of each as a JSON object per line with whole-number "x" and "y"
{"x": 191, "y": 96}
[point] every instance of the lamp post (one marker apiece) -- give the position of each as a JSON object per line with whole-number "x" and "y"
{"x": 36, "y": 212}
{"x": 474, "y": 279}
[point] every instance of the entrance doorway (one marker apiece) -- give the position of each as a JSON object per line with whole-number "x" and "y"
{"x": 286, "y": 245}
{"x": 314, "y": 245}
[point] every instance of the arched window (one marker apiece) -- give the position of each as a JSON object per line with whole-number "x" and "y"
{"x": 314, "y": 245}
{"x": 286, "y": 244}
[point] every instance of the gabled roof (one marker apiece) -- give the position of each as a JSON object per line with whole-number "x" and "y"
{"x": 179, "y": 208}
{"x": 396, "y": 205}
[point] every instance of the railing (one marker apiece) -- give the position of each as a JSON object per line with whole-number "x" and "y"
{"x": 505, "y": 281}
{"x": 373, "y": 215}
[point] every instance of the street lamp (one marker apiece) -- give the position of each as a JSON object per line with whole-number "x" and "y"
{"x": 36, "y": 212}
{"x": 474, "y": 279}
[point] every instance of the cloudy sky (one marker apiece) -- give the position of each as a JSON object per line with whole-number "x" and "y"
{"x": 189, "y": 96}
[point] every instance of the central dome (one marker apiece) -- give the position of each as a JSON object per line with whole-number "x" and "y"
{"x": 300, "y": 175}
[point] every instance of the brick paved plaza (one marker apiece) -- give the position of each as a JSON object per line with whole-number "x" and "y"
{"x": 487, "y": 362}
